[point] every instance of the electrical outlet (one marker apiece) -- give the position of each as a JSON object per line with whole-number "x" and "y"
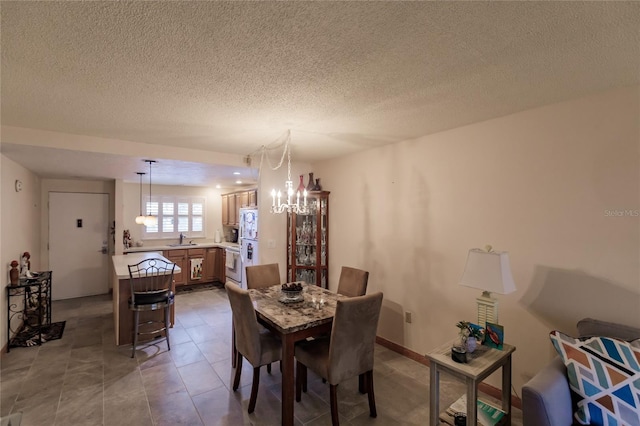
{"x": 407, "y": 317}
{"x": 271, "y": 244}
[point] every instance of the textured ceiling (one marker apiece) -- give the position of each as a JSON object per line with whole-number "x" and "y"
{"x": 343, "y": 76}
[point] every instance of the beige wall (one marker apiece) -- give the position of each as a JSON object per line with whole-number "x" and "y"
{"x": 131, "y": 208}
{"x": 20, "y": 222}
{"x": 537, "y": 184}
{"x": 69, "y": 185}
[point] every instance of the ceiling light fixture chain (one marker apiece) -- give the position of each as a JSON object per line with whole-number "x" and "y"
{"x": 292, "y": 204}
{"x": 141, "y": 217}
{"x": 282, "y": 141}
{"x": 150, "y": 219}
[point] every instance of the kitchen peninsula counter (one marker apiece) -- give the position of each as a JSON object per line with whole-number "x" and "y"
{"x": 122, "y": 316}
{"x": 179, "y": 247}
{"x": 201, "y": 263}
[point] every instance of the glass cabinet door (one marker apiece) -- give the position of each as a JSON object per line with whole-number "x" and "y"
{"x": 308, "y": 242}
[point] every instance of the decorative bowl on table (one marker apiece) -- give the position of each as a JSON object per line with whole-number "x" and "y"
{"x": 292, "y": 292}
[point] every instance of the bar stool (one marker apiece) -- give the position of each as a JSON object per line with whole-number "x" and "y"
{"x": 151, "y": 283}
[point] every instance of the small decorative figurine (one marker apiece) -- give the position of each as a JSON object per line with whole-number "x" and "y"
{"x": 25, "y": 265}
{"x": 126, "y": 239}
{"x": 14, "y": 274}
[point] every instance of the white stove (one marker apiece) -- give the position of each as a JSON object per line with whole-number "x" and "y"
{"x": 233, "y": 265}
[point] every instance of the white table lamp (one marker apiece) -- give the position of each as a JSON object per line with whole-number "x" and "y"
{"x": 490, "y": 272}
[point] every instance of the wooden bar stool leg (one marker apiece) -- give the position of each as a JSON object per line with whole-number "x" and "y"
{"x": 166, "y": 325}
{"x": 136, "y": 324}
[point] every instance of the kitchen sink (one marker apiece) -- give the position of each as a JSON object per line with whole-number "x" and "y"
{"x": 183, "y": 245}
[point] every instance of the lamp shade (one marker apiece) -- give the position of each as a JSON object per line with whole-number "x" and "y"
{"x": 488, "y": 271}
{"x": 150, "y": 220}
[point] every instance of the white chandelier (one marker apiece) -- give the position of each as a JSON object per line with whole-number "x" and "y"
{"x": 289, "y": 206}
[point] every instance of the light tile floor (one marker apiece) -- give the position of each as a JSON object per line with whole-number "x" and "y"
{"x": 84, "y": 379}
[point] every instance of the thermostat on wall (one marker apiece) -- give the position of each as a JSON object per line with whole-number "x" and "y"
{"x": 18, "y": 185}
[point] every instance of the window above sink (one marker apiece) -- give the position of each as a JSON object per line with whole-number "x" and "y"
{"x": 176, "y": 214}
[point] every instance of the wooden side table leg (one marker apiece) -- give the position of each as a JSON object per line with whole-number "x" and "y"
{"x": 472, "y": 406}
{"x": 434, "y": 394}
{"x": 506, "y": 389}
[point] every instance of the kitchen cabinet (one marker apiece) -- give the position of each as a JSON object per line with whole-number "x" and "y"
{"x": 229, "y": 209}
{"x": 223, "y": 269}
{"x": 225, "y": 209}
{"x": 213, "y": 264}
{"x": 232, "y": 211}
{"x": 236, "y": 212}
{"x": 253, "y": 198}
{"x": 195, "y": 265}
{"x": 308, "y": 242}
{"x": 233, "y": 202}
{"x": 179, "y": 257}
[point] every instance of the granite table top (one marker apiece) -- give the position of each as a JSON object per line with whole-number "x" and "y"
{"x": 291, "y": 317}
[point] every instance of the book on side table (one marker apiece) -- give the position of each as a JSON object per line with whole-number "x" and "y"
{"x": 488, "y": 415}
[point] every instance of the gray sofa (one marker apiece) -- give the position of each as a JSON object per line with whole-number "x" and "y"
{"x": 546, "y": 398}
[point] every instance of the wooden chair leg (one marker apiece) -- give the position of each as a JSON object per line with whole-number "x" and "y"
{"x": 372, "y": 398}
{"x": 298, "y": 381}
{"x": 136, "y": 321}
{"x": 333, "y": 396}
{"x": 234, "y": 351}
{"x": 166, "y": 325}
{"x": 361, "y": 387}
{"x": 236, "y": 380}
{"x": 254, "y": 389}
{"x": 304, "y": 378}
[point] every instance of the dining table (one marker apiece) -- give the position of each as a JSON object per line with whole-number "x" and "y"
{"x": 310, "y": 315}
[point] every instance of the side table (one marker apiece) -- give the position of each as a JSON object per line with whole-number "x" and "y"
{"x": 479, "y": 366}
{"x": 33, "y": 307}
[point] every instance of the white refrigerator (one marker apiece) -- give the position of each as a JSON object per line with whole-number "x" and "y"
{"x": 248, "y": 240}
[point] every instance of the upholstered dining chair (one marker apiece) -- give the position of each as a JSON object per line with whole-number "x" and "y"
{"x": 347, "y": 353}
{"x": 151, "y": 283}
{"x": 254, "y": 343}
{"x": 260, "y": 276}
{"x": 353, "y": 282}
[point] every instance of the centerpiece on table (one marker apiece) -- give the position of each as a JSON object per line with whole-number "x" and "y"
{"x": 292, "y": 292}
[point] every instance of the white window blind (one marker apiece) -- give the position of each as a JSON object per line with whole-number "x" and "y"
{"x": 175, "y": 215}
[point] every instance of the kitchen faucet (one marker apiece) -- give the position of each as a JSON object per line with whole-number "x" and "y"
{"x": 182, "y": 238}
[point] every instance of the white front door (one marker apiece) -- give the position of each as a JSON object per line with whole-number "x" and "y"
{"x": 78, "y": 241}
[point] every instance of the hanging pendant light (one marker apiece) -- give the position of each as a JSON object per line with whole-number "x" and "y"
{"x": 141, "y": 217}
{"x": 149, "y": 219}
